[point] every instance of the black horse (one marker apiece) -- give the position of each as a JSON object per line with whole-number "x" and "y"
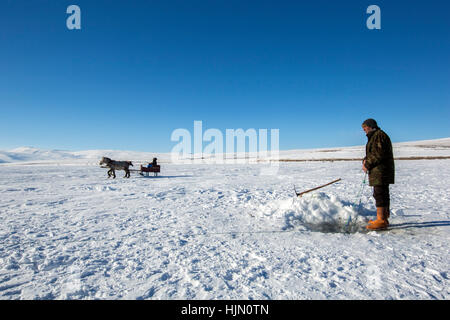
{"x": 114, "y": 165}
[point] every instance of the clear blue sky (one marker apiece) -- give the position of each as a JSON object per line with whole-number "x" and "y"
{"x": 137, "y": 70}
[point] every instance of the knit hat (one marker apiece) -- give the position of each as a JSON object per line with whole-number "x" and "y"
{"x": 370, "y": 123}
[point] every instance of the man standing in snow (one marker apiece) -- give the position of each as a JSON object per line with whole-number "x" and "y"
{"x": 379, "y": 163}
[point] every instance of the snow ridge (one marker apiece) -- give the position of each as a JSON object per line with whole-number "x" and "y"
{"x": 425, "y": 148}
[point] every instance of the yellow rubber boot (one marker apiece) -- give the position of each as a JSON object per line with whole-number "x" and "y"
{"x": 386, "y": 216}
{"x": 378, "y": 216}
{"x": 381, "y": 222}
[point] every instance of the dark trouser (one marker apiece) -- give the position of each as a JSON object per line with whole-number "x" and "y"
{"x": 381, "y": 195}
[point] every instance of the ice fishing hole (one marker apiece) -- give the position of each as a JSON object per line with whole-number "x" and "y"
{"x": 332, "y": 227}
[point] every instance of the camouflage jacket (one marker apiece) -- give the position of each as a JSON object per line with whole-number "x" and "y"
{"x": 379, "y": 158}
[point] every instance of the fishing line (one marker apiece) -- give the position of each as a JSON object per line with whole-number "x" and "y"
{"x": 358, "y": 199}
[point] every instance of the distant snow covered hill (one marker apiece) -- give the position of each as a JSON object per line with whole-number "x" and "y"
{"x": 413, "y": 149}
{"x": 27, "y": 155}
{"x": 34, "y": 154}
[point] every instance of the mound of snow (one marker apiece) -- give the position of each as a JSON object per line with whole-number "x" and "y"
{"x": 316, "y": 212}
{"x": 322, "y": 208}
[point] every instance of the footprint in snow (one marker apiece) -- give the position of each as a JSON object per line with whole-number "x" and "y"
{"x": 165, "y": 277}
{"x": 149, "y": 294}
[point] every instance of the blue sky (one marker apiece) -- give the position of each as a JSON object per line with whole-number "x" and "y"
{"x": 137, "y": 70}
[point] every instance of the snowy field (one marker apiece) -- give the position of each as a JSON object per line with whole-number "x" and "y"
{"x": 221, "y": 232}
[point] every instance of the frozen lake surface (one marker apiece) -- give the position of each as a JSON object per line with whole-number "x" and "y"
{"x": 210, "y": 231}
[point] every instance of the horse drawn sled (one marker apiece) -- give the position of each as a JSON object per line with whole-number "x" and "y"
{"x": 114, "y": 165}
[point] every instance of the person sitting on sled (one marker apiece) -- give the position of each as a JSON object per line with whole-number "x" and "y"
{"x": 379, "y": 164}
{"x": 153, "y": 164}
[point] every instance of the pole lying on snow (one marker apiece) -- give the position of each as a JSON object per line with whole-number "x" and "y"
{"x": 299, "y": 194}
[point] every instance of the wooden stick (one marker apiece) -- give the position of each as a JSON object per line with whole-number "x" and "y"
{"x": 302, "y": 193}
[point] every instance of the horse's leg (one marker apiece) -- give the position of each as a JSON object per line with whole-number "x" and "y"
{"x": 114, "y": 173}
{"x": 127, "y": 173}
{"x": 109, "y": 173}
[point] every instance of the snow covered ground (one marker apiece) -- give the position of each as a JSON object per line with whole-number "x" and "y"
{"x": 230, "y": 231}
{"x": 208, "y": 231}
